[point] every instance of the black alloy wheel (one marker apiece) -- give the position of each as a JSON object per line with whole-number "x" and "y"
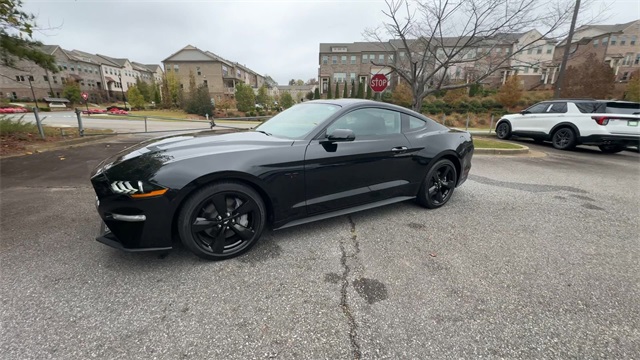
{"x": 503, "y": 131}
{"x": 564, "y": 139}
{"x": 222, "y": 220}
{"x": 438, "y": 185}
{"x": 611, "y": 149}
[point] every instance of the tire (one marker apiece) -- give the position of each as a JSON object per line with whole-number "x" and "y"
{"x": 222, "y": 220}
{"x": 611, "y": 149}
{"x": 503, "y": 131}
{"x": 564, "y": 139}
{"x": 439, "y": 184}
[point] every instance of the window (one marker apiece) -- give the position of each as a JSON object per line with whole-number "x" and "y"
{"x": 549, "y": 49}
{"x": 415, "y": 123}
{"x": 539, "y": 50}
{"x": 15, "y": 96}
{"x": 595, "y": 42}
{"x": 298, "y": 121}
{"x": 625, "y": 76}
{"x": 381, "y": 58}
{"x": 535, "y": 70}
{"x": 353, "y": 59}
{"x": 46, "y": 78}
{"x": 623, "y": 41}
{"x": 176, "y": 68}
{"x": 352, "y": 77}
{"x": 538, "y": 108}
{"x": 637, "y": 61}
{"x": 530, "y": 51}
{"x": 55, "y": 79}
{"x": 64, "y": 66}
{"x": 365, "y": 58}
{"x": 31, "y": 78}
{"x": 18, "y": 78}
{"x": 499, "y": 51}
{"x": 605, "y": 41}
{"x": 205, "y": 83}
{"x": 343, "y": 59}
{"x": 334, "y": 59}
{"x": 369, "y": 122}
{"x": 71, "y": 68}
{"x": 559, "y": 107}
{"x": 633, "y": 40}
{"x": 325, "y": 59}
{"x": 181, "y": 86}
{"x": 526, "y": 70}
{"x": 339, "y": 77}
{"x": 401, "y": 55}
{"x": 198, "y": 70}
{"x": 225, "y": 71}
{"x": 390, "y": 58}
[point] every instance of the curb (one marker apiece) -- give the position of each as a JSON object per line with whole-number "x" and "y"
{"x": 65, "y": 144}
{"x": 494, "y": 151}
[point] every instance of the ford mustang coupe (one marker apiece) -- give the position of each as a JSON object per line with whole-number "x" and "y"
{"x": 217, "y": 190}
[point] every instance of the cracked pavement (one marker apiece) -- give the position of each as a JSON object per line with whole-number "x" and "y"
{"x": 534, "y": 257}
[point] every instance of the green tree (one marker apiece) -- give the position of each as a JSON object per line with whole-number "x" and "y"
{"x": 329, "y": 94}
{"x": 632, "y": 92}
{"x": 310, "y": 95}
{"x": 345, "y": 92}
{"x": 192, "y": 84}
{"x": 16, "y": 37}
{"x": 316, "y": 94}
{"x": 360, "y": 90}
{"x": 157, "y": 97}
{"x": 299, "y": 82}
{"x": 245, "y": 97}
{"x": 71, "y": 92}
{"x": 369, "y": 92}
{"x": 337, "y": 90}
{"x": 172, "y": 93}
{"x": 144, "y": 89}
{"x": 165, "y": 92}
{"x": 199, "y": 102}
{"x": 509, "y": 94}
{"x": 286, "y": 101}
{"x": 292, "y": 82}
{"x": 263, "y": 97}
{"x": 135, "y": 97}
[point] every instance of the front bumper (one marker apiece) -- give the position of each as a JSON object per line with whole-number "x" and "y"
{"x": 133, "y": 224}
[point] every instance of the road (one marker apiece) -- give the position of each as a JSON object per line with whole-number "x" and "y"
{"x": 534, "y": 257}
{"x": 68, "y": 119}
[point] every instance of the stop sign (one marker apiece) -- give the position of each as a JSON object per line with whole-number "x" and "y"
{"x": 378, "y": 82}
{"x": 85, "y": 96}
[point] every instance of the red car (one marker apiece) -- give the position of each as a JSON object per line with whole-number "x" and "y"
{"x": 94, "y": 111}
{"x": 13, "y": 110}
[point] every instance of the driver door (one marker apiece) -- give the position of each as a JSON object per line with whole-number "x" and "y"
{"x": 370, "y": 168}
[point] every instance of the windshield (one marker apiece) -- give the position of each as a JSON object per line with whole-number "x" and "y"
{"x": 298, "y": 121}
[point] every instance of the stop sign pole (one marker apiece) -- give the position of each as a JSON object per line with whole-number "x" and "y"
{"x": 378, "y": 83}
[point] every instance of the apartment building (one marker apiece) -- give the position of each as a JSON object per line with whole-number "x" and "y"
{"x": 348, "y": 62}
{"x": 616, "y": 45}
{"x": 97, "y": 75}
{"x": 217, "y": 73}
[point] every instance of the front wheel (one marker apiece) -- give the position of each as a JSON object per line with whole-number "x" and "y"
{"x": 437, "y": 187}
{"x": 611, "y": 149}
{"x": 564, "y": 139}
{"x": 503, "y": 131}
{"x": 222, "y": 220}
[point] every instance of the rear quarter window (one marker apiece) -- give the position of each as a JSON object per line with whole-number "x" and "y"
{"x": 590, "y": 107}
{"x": 622, "y": 108}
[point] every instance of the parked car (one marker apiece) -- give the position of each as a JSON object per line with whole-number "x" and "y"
{"x": 13, "y": 110}
{"x": 94, "y": 111}
{"x": 217, "y": 191}
{"x": 610, "y": 125}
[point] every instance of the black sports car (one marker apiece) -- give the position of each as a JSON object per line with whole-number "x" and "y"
{"x": 217, "y": 190}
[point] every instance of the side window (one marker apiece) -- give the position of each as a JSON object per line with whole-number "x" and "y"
{"x": 369, "y": 122}
{"x": 558, "y": 108}
{"x": 415, "y": 123}
{"x": 590, "y": 107}
{"x": 538, "y": 108}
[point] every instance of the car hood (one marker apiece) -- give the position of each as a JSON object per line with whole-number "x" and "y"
{"x": 184, "y": 146}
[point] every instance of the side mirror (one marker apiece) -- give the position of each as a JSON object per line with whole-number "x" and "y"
{"x": 341, "y": 135}
{"x": 524, "y": 112}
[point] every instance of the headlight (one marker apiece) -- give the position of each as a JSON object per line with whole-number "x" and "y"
{"x": 136, "y": 189}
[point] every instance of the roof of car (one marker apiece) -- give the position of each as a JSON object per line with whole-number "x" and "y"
{"x": 354, "y": 102}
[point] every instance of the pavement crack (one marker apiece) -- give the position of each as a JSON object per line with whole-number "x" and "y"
{"x": 344, "y": 301}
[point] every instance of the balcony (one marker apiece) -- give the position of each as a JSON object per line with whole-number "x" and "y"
{"x": 229, "y": 91}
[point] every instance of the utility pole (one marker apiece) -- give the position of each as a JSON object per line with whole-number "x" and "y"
{"x": 567, "y": 49}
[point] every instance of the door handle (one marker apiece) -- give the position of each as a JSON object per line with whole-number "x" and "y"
{"x": 399, "y": 149}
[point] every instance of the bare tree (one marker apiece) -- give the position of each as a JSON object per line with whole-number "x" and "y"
{"x": 435, "y": 38}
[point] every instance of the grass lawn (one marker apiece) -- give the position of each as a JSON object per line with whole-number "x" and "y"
{"x": 493, "y": 144}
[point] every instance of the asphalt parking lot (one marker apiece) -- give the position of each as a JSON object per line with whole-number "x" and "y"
{"x": 534, "y": 257}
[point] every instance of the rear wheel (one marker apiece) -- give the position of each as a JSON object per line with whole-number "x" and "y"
{"x": 564, "y": 139}
{"x": 437, "y": 187}
{"x": 222, "y": 220}
{"x": 611, "y": 149}
{"x": 503, "y": 131}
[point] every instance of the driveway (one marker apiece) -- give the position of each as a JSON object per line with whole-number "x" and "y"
{"x": 534, "y": 257}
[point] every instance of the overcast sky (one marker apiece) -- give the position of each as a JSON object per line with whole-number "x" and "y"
{"x": 279, "y": 38}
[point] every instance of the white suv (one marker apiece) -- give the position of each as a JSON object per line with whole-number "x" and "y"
{"x": 611, "y": 125}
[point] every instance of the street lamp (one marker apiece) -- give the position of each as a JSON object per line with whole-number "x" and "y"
{"x": 122, "y": 88}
